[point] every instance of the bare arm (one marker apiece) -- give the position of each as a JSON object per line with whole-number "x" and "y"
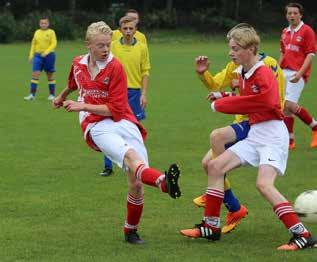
{"x": 73, "y": 106}
{"x": 143, "y": 99}
{"x": 307, "y": 62}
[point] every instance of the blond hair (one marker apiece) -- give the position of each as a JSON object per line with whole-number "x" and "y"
{"x": 127, "y": 19}
{"x": 97, "y": 28}
{"x": 245, "y": 36}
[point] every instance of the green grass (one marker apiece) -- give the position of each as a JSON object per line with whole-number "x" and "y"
{"x": 55, "y": 207}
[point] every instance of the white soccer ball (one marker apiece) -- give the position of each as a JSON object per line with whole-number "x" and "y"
{"x": 306, "y": 206}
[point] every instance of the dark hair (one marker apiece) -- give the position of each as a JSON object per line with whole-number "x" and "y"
{"x": 297, "y": 5}
{"x": 44, "y": 17}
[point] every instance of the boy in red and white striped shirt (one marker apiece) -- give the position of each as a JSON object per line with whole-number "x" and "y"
{"x": 298, "y": 47}
{"x": 265, "y": 147}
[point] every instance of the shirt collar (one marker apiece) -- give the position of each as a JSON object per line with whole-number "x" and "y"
{"x": 122, "y": 41}
{"x": 100, "y": 64}
{"x": 297, "y": 28}
{"x": 248, "y": 74}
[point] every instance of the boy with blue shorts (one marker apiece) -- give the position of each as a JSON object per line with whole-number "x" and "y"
{"x": 134, "y": 56}
{"x": 223, "y": 138}
{"x": 42, "y": 56}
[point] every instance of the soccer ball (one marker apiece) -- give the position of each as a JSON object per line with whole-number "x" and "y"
{"x": 306, "y": 206}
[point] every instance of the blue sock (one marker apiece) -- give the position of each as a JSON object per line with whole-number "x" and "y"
{"x": 107, "y": 162}
{"x": 33, "y": 86}
{"x": 230, "y": 201}
{"x": 51, "y": 87}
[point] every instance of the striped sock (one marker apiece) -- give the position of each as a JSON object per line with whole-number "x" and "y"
{"x": 33, "y": 86}
{"x": 287, "y": 215}
{"x": 134, "y": 212}
{"x": 214, "y": 199}
{"x": 51, "y": 87}
{"x": 151, "y": 176}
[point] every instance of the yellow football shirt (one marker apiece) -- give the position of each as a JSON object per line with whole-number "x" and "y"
{"x": 116, "y": 35}
{"x": 225, "y": 77}
{"x": 43, "y": 42}
{"x": 135, "y": 60}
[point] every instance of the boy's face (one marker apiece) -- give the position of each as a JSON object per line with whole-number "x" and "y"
{"x": 293, "y": 16}
{"x": 128, "y": 29}
{"x": 99, "y": 46}
{"x": 44, "y": 24}
{"x": 238, "y": 54}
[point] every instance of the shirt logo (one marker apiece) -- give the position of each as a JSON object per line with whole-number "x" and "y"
{"x": 106, "y": 80}
{"x": 299, "y": 38}
{"x": 255, "y": 89}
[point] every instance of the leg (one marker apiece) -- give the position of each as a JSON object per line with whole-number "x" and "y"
{"x": 107, "y": 171}
{"x": 210, "y": 228}
{"x": 33, "y": 85}
{"x": 51, "y": 85}
{"x": 265, "y": 184}
{"x": 37, "y": 67}
{"x": 293, "y": 93}
{"x": 219, "y": 140}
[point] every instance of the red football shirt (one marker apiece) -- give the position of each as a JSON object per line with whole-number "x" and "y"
{"x": 259, "y": 96}
{"x": 109, "y": 87}
{"x": 295, "y": 46}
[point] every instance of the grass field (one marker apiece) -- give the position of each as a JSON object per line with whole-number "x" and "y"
{"x": 55, "y": 207}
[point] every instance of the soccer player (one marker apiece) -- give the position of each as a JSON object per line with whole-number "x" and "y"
{"x": 42, "y": 56}
{"x": 298, "y": 47}
{"x": 117, "y": 34}
{"x": 265, "y": 147}
{"x": 109, "y": 125}
{"x": 224, "y": 137}
{"x": 134, "y": 57}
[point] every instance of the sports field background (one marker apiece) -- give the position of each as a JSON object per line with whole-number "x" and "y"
{"x": 55, "y": 207}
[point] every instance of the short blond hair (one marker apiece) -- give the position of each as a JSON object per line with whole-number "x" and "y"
{"x": 127, "y": 19}
{"x": 245, "y": 36}
{"x": 97, "y": 28}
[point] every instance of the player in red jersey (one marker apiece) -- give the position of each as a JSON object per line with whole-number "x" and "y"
{"x": 298, "y": 47}
{"x": 265, "y": 147}
{"x": 109, "y": 125}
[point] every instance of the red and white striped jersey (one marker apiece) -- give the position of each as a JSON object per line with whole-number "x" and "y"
{"x": 295, "y": 45}
{"x": 108, "y": 87}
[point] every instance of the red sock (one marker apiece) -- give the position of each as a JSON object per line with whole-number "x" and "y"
{"x": 303, "y": 115}
{"x": 214, "y": 199}
{"x": 289, "y": 218}
{"x": 134, "y": 212}
{"x": 289, "y": 122}
{"x": 151, "y": 176}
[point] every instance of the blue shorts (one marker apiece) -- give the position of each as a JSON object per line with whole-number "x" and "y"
{"x": 44, "y": 63}
{"x": 134, "y": 102}
{"x": 241, "y": 129}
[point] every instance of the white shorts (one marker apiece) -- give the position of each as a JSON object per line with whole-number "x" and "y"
{"x": 266, "y": 144}
{"x": 292, "y": 90}
{"x": 114, "y": 139}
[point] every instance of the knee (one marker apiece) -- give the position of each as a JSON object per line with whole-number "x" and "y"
{"x": 204, "y": 163}
{"x": 216, "y": 137}
{"x": 263, "y": 187}
{"x": 214, "y": 169}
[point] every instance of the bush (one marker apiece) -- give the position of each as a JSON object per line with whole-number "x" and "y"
{"x": 59, "y": 22}
{"x": 208, "y": 20}
{"x": 160, "y": 19}
{"x": 7, "y": 27}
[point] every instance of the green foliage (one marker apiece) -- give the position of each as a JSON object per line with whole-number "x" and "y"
{"x": 160, "y": 19}
{"x": 209, "y": 21}
{"x": 7, "y": 27}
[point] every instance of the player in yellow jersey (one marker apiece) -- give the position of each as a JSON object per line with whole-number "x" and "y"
{"x": 42, "y": 56}
{"x": 222, "y": 138}
{"x": 134, "y": 56}
{"x": 117, "y": 34}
